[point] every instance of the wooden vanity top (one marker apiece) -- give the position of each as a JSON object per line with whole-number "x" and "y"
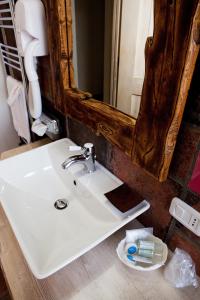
{"x": 24, "y": 148}
{"x": 97, "y": 275}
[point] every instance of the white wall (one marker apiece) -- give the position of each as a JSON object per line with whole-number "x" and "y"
{"x": 8, "y": 135}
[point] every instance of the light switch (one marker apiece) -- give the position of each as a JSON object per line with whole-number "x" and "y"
{"x": 186, "y": 215}
{"x": 179, "y": 211}
{"x": 183, "y": 214}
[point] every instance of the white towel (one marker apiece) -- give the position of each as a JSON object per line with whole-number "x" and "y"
{"x": 17, "y": 102}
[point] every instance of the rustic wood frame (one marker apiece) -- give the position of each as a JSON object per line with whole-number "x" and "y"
{"x": 170, "y": 61}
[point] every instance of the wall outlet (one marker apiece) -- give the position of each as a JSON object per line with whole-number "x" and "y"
{"x": 193, "y": 222}
{"x": 186, "y": 215}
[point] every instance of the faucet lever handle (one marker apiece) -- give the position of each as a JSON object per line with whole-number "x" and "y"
{"x": 88, "y": 149}
{"x": 75, "y": 148}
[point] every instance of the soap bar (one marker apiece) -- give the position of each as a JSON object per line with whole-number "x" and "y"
{"x": 124, "y": 198}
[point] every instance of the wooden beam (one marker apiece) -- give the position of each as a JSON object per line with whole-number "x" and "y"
{"x": 170, "y": 61}
{"x": 115, "y": 126}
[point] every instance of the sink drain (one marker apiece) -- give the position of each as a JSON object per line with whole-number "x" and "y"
{"x": 61, "y": 204}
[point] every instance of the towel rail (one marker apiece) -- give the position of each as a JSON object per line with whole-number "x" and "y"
{"x": 10, "y": 59}
{"x": 15, "y": 61}
{"x": 10, "y": 53}
{"x": 4, "y": 11}
{"x": 12, "y": 66}
{"x": 15, "y": 58}
{"x": 9, "y": 47}
{"x": 4, "y": 2}
{"x": 5, "y": 19}
{"x": 6, "y": 26}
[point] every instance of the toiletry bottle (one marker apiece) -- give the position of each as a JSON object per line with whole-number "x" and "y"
{"x": 147, "y": 249}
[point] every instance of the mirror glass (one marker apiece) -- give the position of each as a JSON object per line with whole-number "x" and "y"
{"x": 109, "y": 39}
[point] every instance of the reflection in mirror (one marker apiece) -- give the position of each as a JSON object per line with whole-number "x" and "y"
{"x": 88, "y": 52}
{"x": 108, "y": 56}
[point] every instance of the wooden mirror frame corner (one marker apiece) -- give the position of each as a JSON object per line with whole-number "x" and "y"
{"x": 170, "y": 58}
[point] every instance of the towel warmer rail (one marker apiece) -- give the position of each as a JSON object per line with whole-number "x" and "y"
{"x": 12, "y": 61}
{"x": 9, "y": 54}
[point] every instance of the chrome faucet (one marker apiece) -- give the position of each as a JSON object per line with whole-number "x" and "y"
{"x": 87, "y": 158}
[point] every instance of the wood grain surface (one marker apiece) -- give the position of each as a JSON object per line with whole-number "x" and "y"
{"x": 115, "y": 126}
{"x": 170, "y": 61}
{"x": 24, "y": 148}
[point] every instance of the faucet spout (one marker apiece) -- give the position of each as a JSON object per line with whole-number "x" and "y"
{"x": 87, "y": 158}
{"x": 73, "y": 160}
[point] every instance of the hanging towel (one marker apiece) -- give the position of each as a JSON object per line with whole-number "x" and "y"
{"x": 17, "y": 102}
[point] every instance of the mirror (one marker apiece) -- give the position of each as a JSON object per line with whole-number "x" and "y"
{"x": 170, "y": 57}
{"x": 108, "y": 50}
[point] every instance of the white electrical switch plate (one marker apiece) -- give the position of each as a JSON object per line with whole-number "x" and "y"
{"x": 186, "y": 215}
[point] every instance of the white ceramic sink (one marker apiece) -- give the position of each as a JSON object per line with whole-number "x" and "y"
{"x": 31, "y": 182}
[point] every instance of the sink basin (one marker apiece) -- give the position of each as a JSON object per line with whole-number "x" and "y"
{"x": 51, "y": 238}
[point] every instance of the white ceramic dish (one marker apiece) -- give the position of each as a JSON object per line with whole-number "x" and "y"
{"x": 50, "y": 239}
{"x": 141, "y": 266}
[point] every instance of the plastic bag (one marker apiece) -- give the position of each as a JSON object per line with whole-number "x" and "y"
{"x": 180, "y": 271}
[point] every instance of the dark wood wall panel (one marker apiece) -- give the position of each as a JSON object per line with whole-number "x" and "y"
{"x": 58, "y": 53}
